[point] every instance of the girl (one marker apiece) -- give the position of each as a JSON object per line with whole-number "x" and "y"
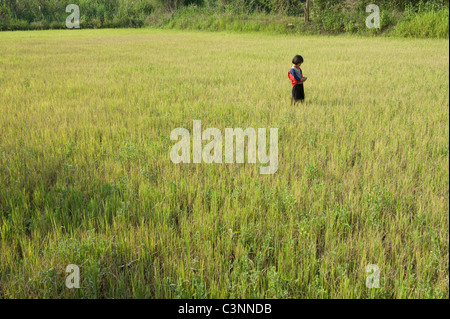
{"x": 297, "y": 79}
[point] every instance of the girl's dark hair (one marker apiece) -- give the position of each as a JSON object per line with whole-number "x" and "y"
{"x": 297, "y": 59}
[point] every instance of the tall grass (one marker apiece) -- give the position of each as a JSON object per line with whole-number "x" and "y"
{"x": 86, "y": 177}
{"x": 431, "y": 24}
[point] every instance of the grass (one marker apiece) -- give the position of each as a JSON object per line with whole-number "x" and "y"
{"x": 427, "y": 24}
{"x": 86, "y": 177}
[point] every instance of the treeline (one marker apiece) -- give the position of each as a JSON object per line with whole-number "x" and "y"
{"x": 424, "y": 18}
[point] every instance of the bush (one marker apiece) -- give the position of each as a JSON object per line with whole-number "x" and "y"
{"x": 19, "y": 25}
{"x": 57, "y": 25}
{"x": 333, "y": 22}
{"x": 386, "y": 20}
{"x": 39, "y": 25}
{"x": 96, "y": 23}
{"x": 351, "y": 27}
{"x": 426, "y": 24}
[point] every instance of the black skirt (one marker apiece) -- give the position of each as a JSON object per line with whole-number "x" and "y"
{"x": 298, "y": 92}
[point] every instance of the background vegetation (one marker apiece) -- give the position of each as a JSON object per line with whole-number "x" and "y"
{"x": 86, "y": 176}
{"x": 416, "y": 18}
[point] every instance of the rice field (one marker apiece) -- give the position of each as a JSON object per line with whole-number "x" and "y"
{"x": 86, "y": 176}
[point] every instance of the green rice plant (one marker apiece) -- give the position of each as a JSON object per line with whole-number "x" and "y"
{"x": 86, "y": 176}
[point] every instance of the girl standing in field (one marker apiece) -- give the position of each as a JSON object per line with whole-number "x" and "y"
{"x": 297, "y": 80}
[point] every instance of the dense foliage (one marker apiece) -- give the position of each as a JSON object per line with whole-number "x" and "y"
{"x": 326, "y": 16}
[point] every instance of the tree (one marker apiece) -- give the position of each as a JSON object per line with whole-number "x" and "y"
{"x": 307, "y": 11}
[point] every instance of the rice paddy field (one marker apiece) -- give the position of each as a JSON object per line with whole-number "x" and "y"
{"x": 86, "y": 176}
